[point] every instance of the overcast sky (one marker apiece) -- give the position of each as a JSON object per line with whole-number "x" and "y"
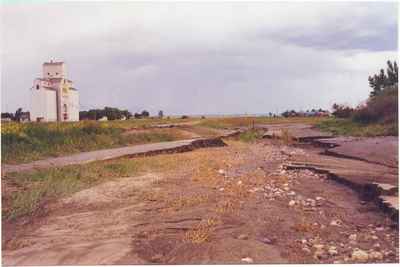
{"x": 200, "y": 58}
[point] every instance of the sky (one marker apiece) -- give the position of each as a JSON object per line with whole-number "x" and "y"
{"x": 199, "y": 58}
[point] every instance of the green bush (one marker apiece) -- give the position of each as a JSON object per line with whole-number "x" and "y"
{"x": 382, "y": 108}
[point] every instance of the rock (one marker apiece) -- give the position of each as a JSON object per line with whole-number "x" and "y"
{"x": 243, "y": 237}
{"x": 377, "y": 246}
{"x": 292, "y": 203}
{"x": 359, "y": 255}
{"x": 266, "y": 240}
{"x": 156, "y": 258}
{"x": 319, "y": 254}
{"x": 247, "y": 260}
{"x": 375, "y": 255}
{"x": 332, "y": 251}
{"x": 221, "y": 171}
{"x": 337, "y": 223}
{"x": 380, "y": 228}
{"x": 286, "y": 188}
{"x": 221, "y": 189}
{"x": 353, "y": 237}
{"x": 304, "y": 241}
{"x": 239, "y": 182}
{"x": 374, "y": 237}
{"x": 319, "y": 246}
{"x": 291, "y": 193}
{"x": 306, "y": 250}
{"x": 319, "y": 199}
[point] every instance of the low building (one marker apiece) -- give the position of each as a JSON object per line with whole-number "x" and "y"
{"x": 53, "y": 97}
{"x": 104, "y": 118}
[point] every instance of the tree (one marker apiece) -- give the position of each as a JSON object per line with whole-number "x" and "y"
{"x": 145, "y": 114}
{"x": 381, "y": 81}
{"x": 18, "y": 114}
{"x": 342, "y": 111}
{"x": 7, "y": 115}
{"x": 160, "y": 114}
{"x": 109, "y": 112}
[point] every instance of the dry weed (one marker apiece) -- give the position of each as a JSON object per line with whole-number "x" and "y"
{"x": 202, "y": 232}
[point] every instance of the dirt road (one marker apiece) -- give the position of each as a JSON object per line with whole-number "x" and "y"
{"x": 232, "y": 204}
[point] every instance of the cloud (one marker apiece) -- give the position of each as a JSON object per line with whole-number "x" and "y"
{"x": 200, "y": 57}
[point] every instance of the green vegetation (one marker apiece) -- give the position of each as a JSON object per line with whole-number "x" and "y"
{"x": 350, "y": 128}
{"x": 32, "y": 141}
{"x": 36, "y": 188}
{"x": 110, "y": 113}
{"x": 378, "y": 116}
{"x": 250, "y": 136}
{"x": 220, "y": 123}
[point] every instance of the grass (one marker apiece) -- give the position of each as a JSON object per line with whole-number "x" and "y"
{"x": 250, "y": 136}
{"x": 202, "y": 232}
{"x": 37, "y": 187}
{"x": 220, "y": 123}
{"x": 33, "y": 141}
{"x": 348, "y": 127}
{"x": 34, "y": 189}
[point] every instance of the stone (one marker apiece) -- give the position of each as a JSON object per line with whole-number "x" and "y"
{"x": 291, "y": 193}
{"x": 221, "y": 171}
{"x": 319, "y": 246}
{"x": 156, "y": 258}
{"x": 243, "y": 237}
{"x": 304, "y": 241}
{"x": 374, "y": 237}
{"x": 239, "y": 182}
{"x": 247, "y": 260}
{"x": 292, "y": 203}
{"x": 266, "y": 240}
{"x": 319, "y": 254}
{"x": 353, "y": 237}
{"x": 332, "y": 251}
{"x": 306, "y": 250}
{"x": 380, "y": 228}
{"x": 359, "y": 255}
{"x": 375, "y": 255}
{"x": 319, "y": 199}
{"x": 337, "y": 223}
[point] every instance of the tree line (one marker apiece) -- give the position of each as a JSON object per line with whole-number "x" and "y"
{"x": 109, "y": 112}
{"x": 382, "y": 104}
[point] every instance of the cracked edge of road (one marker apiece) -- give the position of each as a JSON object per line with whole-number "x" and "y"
{"x": 375, "y": 192}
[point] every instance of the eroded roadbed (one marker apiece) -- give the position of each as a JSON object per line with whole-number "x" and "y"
{"x": 231, "y": 204}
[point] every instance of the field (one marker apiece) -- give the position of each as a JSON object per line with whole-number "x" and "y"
{"x": 194, "y": 207}
{"x": 349, "y": 128}
{"x": 32, "y": 141}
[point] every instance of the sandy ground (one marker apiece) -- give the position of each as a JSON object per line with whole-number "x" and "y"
{"x": 231, "y": 204}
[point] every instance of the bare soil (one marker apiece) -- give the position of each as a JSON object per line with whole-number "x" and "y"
{"x": 232, "y": 204}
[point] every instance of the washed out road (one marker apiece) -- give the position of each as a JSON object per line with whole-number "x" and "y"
{"x": 198, "y": 212}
